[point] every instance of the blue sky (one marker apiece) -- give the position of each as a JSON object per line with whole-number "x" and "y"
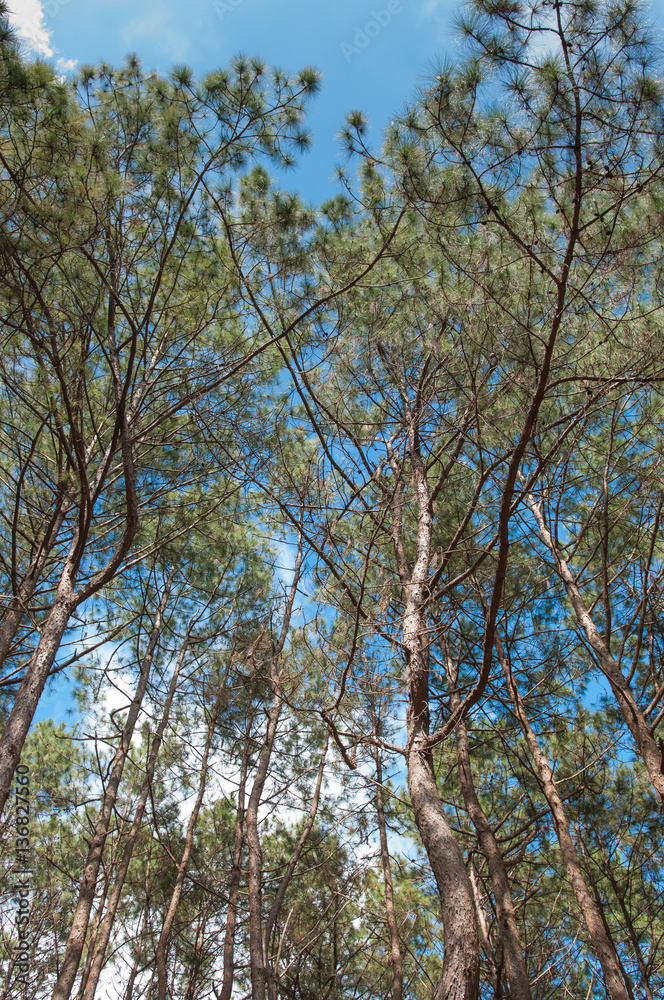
{"x": 376, "y": 69}
{"x": 372, "y": 53}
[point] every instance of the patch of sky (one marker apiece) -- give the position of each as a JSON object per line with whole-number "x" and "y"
{"x": 393, "y": 50}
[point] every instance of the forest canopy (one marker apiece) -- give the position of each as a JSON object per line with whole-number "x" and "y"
{"x": 344, "y": 523}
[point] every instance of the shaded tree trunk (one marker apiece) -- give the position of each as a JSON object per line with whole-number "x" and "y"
{"x": 515, "y": 965}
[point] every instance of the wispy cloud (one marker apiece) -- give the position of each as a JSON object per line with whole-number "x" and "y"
{"x": 27, "y": 19}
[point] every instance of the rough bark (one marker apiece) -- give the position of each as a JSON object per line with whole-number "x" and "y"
{"x": 460, "y": 978}
{"x": 460, "y": 975}
{"x": 33, "y": 683}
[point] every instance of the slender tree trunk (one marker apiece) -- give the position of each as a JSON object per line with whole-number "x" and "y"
{"x": 77, "y": 934}
{"x": 37, "y": 931}
{"x": 34, "y": 681}
{"x": 94, "y": 930}
{"x": 197, "y": 958}
{"x": 598, "y": 901}
{"x": 97, "y": 922}
{"x": 606, "y": 953}
{"x": 8, "y": 975}
{"x": 485, "y": 930}
{"x": 131, "y": 979}
{"x": 234, "y": 881}
{"x": 19, "y": 603}
{"x": 632, "y": 714}
{"x": 161, "y": 955}
{"x": 390, "y": 914}
{"x": 461, "y": 960}
{"x": 66, "y": 599}
{"x": 260, "y": 970}
{"x": 101, "y": 944}
{"x": 256, "y": 955}
{"x": 288, "y": 875}
{"x": 17, "y": 607}
{"x": 515, "y": 965}
{"x": 631, "y": 930}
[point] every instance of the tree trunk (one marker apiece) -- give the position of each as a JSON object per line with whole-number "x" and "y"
{"x": 77, "y": 934}
{"x": 460, "y": 978}
{"x": 485, "y": 930}
{"x": 632, "y": 714}
{"x": 395, "y": 944}
{"x": 461, "y": 960}
{"x": 163, "y": 945}
{"x": 66, "y": 600}
{"x": 196, "y": 961}
{"x": 606, "y": 953}
{"x": 33, "y": 683}
{"x": 256, "y": 955}
{"x": 19, "y": 603}
{"x": 129, "y": 990}
{"x": 260, "y": 971}
{"x": 288, "y": 875}
{"x": 515, "y": 965}
{"x": 629, "y": 923}
{"x": 234, "y": 882}
{"x": 111, "y": 910}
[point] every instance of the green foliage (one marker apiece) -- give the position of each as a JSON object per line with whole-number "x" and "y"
{"x": 201, "y": 374}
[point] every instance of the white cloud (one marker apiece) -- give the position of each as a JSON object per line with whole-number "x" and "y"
{"x": 65, "y": 65}
{"x": 27, "y": 19}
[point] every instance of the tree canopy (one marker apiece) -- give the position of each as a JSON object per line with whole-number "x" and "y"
{"x": 345, "y": 523}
